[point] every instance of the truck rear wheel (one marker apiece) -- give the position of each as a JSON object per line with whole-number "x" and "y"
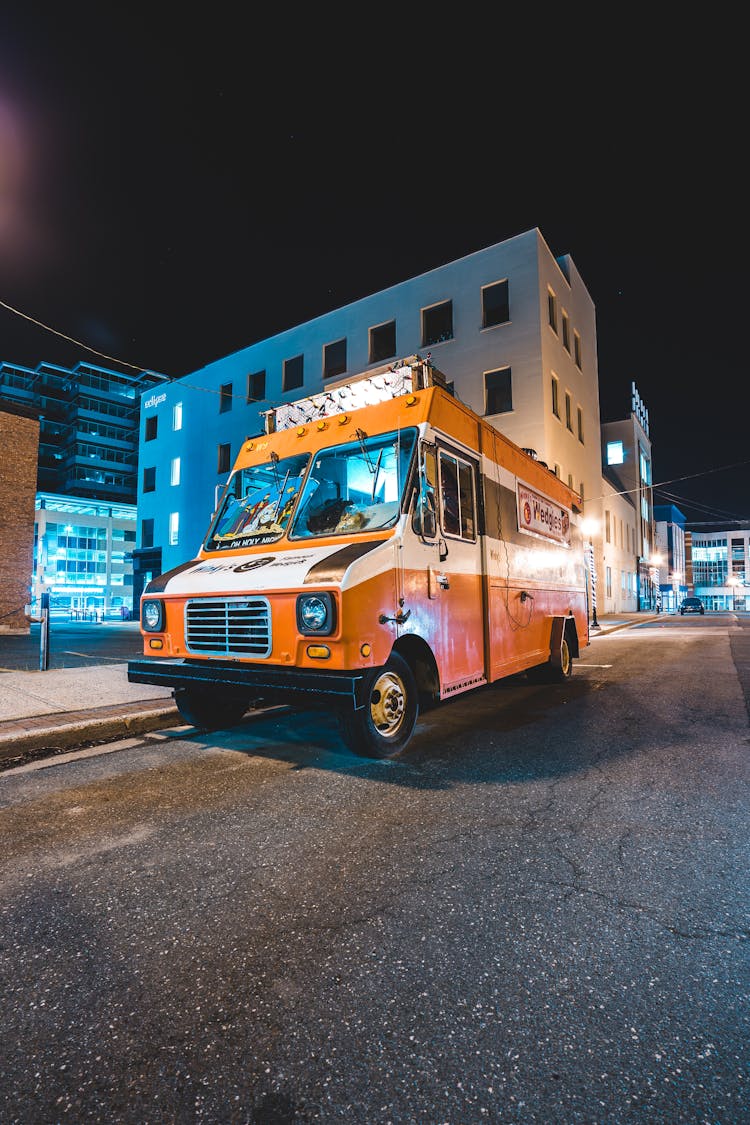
{"x": 553, "y": 672}
{"x": 384, "y": 726}
{"x": 563, "y": 670}
{"x": 210, "y": 710}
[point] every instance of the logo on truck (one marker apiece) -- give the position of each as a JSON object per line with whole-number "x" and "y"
{"x": 539, "y": 516}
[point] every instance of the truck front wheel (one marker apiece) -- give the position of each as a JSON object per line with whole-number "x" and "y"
{"x": 210, "y": 710}
{"x": 383, "y": 727}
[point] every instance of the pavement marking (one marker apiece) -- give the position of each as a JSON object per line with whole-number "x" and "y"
{"x": 74, "y": 756}
{"x": 579, "y": 665}
{"x": 172, "y": 733}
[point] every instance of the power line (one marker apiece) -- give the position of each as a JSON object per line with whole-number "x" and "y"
{"x": 80, "y": 344}
{"x": 211, "y": 390}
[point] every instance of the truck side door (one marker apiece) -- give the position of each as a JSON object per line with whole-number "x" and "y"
{"x": 452, "y": 616}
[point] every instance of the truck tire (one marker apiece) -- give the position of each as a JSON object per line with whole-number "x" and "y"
{"x": 558, "y": 673}
{"x": 384, "y": 726}
{"x": 215, "y": 709}
{"x": 550, "y": 673}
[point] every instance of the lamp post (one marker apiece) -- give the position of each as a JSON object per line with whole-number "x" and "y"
{"x": 656, "y": 561}
{"x": 589, "y": 528}
{"x": 676, "y": 579}
{"x": 733, "y": 582}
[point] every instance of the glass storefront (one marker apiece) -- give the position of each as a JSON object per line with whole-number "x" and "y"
{"x": 83, "y": 557}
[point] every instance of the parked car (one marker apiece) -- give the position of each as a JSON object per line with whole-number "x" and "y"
{"x": 692, "y": 605}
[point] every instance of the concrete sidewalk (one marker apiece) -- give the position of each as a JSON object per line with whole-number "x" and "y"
{"x": 63, "y": 708}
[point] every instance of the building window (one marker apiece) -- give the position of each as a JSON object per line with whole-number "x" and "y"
{"x": 293, "y": 373}
{"x": 151, "y": 427}
{"x": 552, "y": 310}
{"x": 608, "y": 581}
{"x": 174, "y": 476}
{"x": 607, "y": 532}
{"x": 224, "y": 459}
{"x": 557, "y": 470}
{"x": 555, "y": 397}
{"x": 225, "y": 398}
{"x": 495, "y": 307}
{"x": 256, "y": 386}
{"x": 334, "y": 359}
{"x": 149, "y": 479}
{"x": 615, "y": 453}
{"x": 147, "y": 533}
{"x": 570, "y": 480}
{"x": 645, "y": 467}
{"x": 566, "y": 332}
{"x": 174, "y": 528}
{"x": 568, "y": 412}
{"x": 580, "y": 490}
{"x": 580, "y": 425}
{"x": 498, "y": 391}
{"x": 177, "y": 416}
{"x": 437, "y": 324}
{"x": 383, "y": 342}
{"x": 577, "y": 349}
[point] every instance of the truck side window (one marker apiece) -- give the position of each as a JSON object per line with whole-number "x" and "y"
{"x": 457, "y": 500}
{"x": 424, "y": 516}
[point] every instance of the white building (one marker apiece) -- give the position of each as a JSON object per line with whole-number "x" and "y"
{"x": 619, "y": 592}
{"x": 719, "y": 564}
{"x": 672, "y": 561}
{"x": 83, "y": 556}
{"x": 512, "y": 327}
{"x": 627, "y": 465}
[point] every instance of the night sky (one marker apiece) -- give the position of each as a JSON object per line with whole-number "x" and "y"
{"x": 171, "y": 192}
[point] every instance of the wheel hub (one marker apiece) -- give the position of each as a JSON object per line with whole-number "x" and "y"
{"x": 388, "y": 704}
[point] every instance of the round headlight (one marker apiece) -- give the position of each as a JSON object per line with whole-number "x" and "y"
{"x": 313, "y": 613}
{"x": 152, "y": 615}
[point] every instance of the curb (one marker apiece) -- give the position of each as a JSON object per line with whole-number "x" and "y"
{"x": 61, "y": 732}
{"x": 605, "y": 630}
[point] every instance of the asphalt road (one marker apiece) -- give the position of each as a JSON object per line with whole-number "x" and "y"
{"x": 539, "y": 915}
{"x": 72, "y": 644}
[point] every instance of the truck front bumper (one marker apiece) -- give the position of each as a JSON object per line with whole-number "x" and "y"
{"x": 293, "y": 686}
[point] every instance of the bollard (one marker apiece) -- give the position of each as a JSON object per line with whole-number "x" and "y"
{"x": 44, "y": 635}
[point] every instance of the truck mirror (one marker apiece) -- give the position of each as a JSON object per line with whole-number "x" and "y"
{"x": 429, "y": 520}
{"x": 424, "y": 520}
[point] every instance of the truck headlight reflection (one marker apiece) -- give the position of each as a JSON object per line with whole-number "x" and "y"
{"x": 152, "y": 616}
{"x": 315, "y": 615}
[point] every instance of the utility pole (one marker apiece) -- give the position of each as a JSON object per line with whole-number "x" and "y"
{"x": 44, "y": 635}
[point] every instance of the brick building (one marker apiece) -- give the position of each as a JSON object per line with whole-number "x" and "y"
{"x": 19, "y": 455}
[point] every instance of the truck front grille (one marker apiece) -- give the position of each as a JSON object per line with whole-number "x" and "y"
{"x": 228, "y": 626}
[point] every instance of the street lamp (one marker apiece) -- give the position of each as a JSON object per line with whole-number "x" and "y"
{"x": 676, "y": 579}
{"x": 656, "y": 561}
{"x": 590, "y": 527}
{"x": 733, "y": 581}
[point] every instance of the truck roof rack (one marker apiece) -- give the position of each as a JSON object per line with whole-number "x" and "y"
{"x": 377, "y": 385}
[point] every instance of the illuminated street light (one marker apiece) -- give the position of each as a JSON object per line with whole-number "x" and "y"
{"x": 590, "y": 528}
{"x": 653, "y": 573}
{"x": 733, "y": 581}
{"x": 676, "y": 579}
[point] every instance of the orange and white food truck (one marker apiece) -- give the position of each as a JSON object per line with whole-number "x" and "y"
{"x": 379, "y": 548}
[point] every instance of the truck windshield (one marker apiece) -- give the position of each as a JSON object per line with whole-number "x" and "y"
{"x": 355, "y": 487}
{"x": 257, "y": 504}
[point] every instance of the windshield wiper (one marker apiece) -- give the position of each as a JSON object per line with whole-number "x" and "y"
{"x": 376, "y": 472}
{"x": 281, "y": 494}
{"x": 362, "y": 438}
{"x": 274, "y": 462}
